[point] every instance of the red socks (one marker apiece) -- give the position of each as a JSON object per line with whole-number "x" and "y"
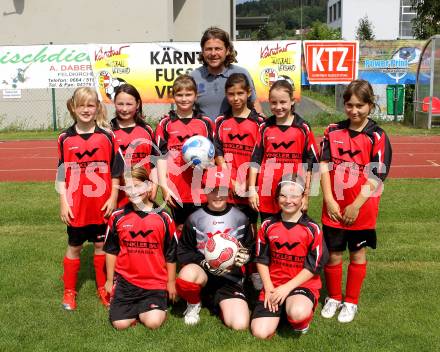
{"x": 70, "y": 275}
{"x": 189, "y": 291}
{"x": 300, "y": 325}
{"x": 355, "y": 277}
{"x": 333, "y": 279}
{"x": 100, "y": 273}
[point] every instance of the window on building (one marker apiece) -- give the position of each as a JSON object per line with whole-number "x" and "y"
{"x": 330, "y": 19}
{"x": 406, "y": 16}
{"x": 339, "y": 9}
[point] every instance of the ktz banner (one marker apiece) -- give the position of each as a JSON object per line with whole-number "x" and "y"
{"x": 390, "y": 61}
{"x": 152, "y": 68}
{"x": 331, "y": 62}
{"x": 45, "y": 66}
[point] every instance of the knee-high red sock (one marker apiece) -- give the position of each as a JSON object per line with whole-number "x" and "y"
{"x": 300, "y": 324}
{"x": 100, "y": 274}
{"x": 70, "y": 275}
{"x": 355, "y": 277}
{"x": 333, "y": 280}
{"x": 189, "y": 291}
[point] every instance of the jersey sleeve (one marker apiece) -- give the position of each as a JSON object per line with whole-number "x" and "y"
{"x": 117, "y": 161}
{"x": 209, "y": 127}
{"x": 381, "y": 155}
{"x": 325, "y": 154}
{"x": 170, "y": 238}
{"x": 111, "y": 245}
{"x": 61, "y": 171}
{"x": 262, "y": 250}
{"x": 310, "y": 153}
{"x": 218, "y": 142}
{"x": 258, "y": 152}
{"x": 318, "y": 255}
{"x": 162, "y": 137}
{"x": 154, "y": 149}
{"x": 187, "y": 248}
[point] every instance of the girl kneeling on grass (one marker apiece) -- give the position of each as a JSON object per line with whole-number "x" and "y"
{"x": 355, "y": 159}
{"x": 290, "y": 253}
{"x": 141, "y": 247}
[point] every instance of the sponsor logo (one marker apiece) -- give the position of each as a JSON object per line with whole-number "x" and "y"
{"x": 140, "y": 233}
{"x": 90, "y": 153}
{"x": 227, "y": 128}
{"x": 288, "y": 245}
{"x": 361, "y": 243}
{"x": 217, "y": 222}
{"x": 349, "y": 152}
{"x": 240, "y": 137}
{"x": 72, "y": 148}
{"x": 127, "y": 225}
{"x": 268, "y": 76}
{"x": 282, "y": 144}
{"x": 338, "y": 142}
{"x": 184, "y": 138}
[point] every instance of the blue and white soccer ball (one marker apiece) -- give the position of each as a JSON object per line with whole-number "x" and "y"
{"x": 199, "y": 151}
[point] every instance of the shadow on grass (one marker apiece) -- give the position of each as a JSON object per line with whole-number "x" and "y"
{"x": 87, "y": 271}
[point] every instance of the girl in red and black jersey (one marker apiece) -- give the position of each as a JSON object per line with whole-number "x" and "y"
{"x": 175, "y": 175}
{"x": 355, "y": 159}
{"x": 141, "y": 248}
{"x": 290, "y": 253}
{"x": 285, "y": 144}
{"x": 235, "y": 137}
{"x": 90, "y": 165}
{"x": 134, "y": 136}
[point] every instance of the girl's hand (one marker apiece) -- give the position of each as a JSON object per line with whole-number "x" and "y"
{"x": 333, "y": 210}
{"x": 351, "y": 213}
{"x": 109, "y": 287}
{"x": 279, "y": 295}
{"x": 109, "y": 206}
{"x": 169, "y": 197}
{"x": 66, "y": 213}
{"x": 172, "y": 292}
{"x": 267, "y": 299}
{"x": 239, "y": 189}
{"x": 254, "y": 200}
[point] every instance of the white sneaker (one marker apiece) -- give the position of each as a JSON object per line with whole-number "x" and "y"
{"x": 256, "y": 281}
{"x": 302, "y": 331}
{"x": 330, "y": 308}
{"x": 191, "y": 314}
{"x": 347, "y": 313}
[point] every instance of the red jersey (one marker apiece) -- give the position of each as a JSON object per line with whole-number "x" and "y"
{"x": 354, "y": 157}
{"x": 171, "y": 134}
{"x": 289, "y": 247}
{"x": 138, "y": 146}
{"x": 235, "y": 139}
{"x": 87, "y": 163}
{"x": 143, "y": 242}
{"x": 281, "y": 150}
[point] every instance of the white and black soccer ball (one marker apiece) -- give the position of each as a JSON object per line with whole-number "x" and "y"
{"x": 220, "y": 251}
{"x": 199, "y": 151}
{"x": 111, "y": 87}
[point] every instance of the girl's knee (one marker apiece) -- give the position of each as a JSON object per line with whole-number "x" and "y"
{"x": 154, "y": 321}
{"x": 241, "y": 323}
{"x": 121, "y": 324}
{"x": 261, "y": 332}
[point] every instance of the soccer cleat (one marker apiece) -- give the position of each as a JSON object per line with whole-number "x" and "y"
{"x": 69, "y": 300}
{"x": 302, "y": 331}
{"x": 104, "y": 297}
{"x": 330, "y": 307}
{"x": 191, "y": 314}
{"x": 347, "y": 312}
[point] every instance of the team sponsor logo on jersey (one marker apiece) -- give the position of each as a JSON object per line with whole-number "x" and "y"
{"x": 90, "y": 153}
{"x": 288, "y": 245}
{"x": 140, "y": 233}
{"x": 227, "y": 128}
{"x": 127, "y": 225}
{"x": 282, "y": 144}
{"x": 271, "y": 137}
{"x": 174, "y": 132}
{"x": 217, "y": 222}
{"x": 349, "y": 152}
{"x": 133, "y": 145}
{"x": 225, "y": 231}
{"x": 184, "y": 138}
{"x": 338, "y": 142}
{"x": 240, "y": 137}
{"x": 72, "y": 148}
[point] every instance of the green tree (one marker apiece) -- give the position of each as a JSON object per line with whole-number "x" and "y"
{"x": 364, "y": 31}
{"x": 320, "y": 31}
{"x": 427, "y": 20}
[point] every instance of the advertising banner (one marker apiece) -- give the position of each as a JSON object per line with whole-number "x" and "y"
{"x": 331, "y": 62}
{"x": 390, "y": 61}
{"x": 45, "y": 66}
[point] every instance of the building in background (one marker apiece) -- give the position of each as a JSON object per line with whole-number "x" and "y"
{"x": 391, "y": 19}
{"x": 111, "y": 21}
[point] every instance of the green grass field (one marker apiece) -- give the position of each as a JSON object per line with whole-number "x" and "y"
{"x": 399, "y": 308}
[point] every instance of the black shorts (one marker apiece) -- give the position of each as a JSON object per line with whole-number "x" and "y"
{"x": 261, "y": 312}
{"x": 221, "y": 288}
{"x": 337, "y": 239}
{"x": 92, "y": 233}
{"x": 181, "y": 213}
{"x": 265, "y": 216}
{"x": 129, "y": 301}
{"x": 251, "y": 214}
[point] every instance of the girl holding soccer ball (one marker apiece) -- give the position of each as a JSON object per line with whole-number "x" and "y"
{"x": 355, "y": 160}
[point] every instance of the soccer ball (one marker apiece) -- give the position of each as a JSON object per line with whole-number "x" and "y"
{"x": 199, "y": 151}
{"x": 110, "y": 88}
{"x": 220, "y": 251}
